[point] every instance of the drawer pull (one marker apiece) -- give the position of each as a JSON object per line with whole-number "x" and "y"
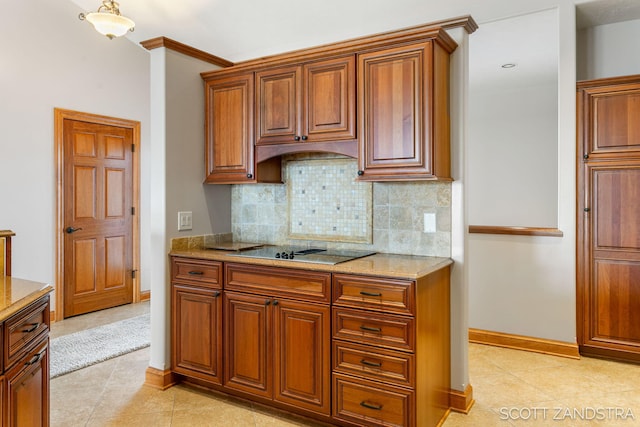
{"x": 371, "y": 294}
{"x": 35, "y": 359}
{"x": 374, "y": 364}
{"x": 196, "y": 273}
{"x": 33, "y": 327}
{"x": 370, "y": 329}
{"x": 373, "y": 406}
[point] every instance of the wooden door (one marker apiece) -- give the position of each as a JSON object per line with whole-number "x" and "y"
{"x": 329, "y": 100}
{"x": 302, "y": 334}
{"x": 608, "y": 289}
{"x": 229, "y": 129}
{"x": 394, "y": 89}
{"x": 197, "y": 333}
{"x": 98, "y": 193}
{"x": 278, "y": 105}
{"x": 248, "y": 345}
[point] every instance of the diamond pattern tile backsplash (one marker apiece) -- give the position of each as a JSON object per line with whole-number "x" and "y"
{"x": 392, "y": 213}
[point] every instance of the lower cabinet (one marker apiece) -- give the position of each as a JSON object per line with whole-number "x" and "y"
{"x": 346, "y": 349}
{"x": 196, "y": 319}
{"x": 275, "y": 348}
{"x": 197, "y": 332}
{"x": 24, "y": 383}
{"x": 28, "y": 390}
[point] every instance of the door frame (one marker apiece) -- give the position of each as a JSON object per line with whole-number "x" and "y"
{"x": 60, "y": 115}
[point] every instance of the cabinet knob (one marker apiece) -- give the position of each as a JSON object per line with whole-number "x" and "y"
{"x": 267, "y": 302}
{"x": 586, "y": 156}
{"x": 360, "y": 173}
{"x": 296, "y": 138}
{"x": 304, "y": 137}
{"x": 275, "y": 302}
{"x": 250, "y": 175}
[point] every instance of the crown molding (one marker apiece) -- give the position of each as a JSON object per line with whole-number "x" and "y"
{"x": 186, "y": 50}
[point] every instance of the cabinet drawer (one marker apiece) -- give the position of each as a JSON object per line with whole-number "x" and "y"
{"x": 371, "y": 328}
{"x": 197, "y": 272}
{"x": 368, "y": 403}
{"x": 299, "y": 284}
{"x": 23, "y": 329}
{"x": 387, "y": 295}
{"x": 373, "y": 363}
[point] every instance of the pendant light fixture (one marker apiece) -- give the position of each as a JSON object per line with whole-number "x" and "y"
{"x": 108, "y": 21}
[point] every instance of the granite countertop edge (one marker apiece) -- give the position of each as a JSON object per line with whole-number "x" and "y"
{"x": 34, "y": 291}
{"x": 380, "y": 264}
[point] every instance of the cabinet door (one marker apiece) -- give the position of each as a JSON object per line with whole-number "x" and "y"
{"x": 302, "y": 334}
{"x": 28, "y": 390}
{"x": 394, "y": 89}
{"x": 278, "y": 105}
{"x": 229, "y": 129}
{"x": 248, "y": 346}
{"x": 329, "y": 100}
{"x": 196, "y": 330}
{"x": 610, "y": 289}
{"x": 611, "y": 119}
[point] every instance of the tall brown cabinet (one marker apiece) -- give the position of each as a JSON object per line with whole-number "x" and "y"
{"x": 608, "y": 290}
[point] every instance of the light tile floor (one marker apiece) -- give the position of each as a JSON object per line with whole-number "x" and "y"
{"x": 511, "y": 388}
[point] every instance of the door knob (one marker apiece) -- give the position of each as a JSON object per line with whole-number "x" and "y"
{"x": 70, "y": 230}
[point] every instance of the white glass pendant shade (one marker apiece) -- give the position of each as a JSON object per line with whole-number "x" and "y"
{"x": 109, "y": 24}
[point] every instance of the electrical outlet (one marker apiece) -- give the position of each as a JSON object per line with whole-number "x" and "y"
{"x": 185, "y": 221}
{"x": 429, "y": 222}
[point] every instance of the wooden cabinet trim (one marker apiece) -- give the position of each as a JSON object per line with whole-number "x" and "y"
{"x": 434, "y": 30}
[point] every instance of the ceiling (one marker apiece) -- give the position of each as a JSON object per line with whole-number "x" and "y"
{"x": 246, "y": 29}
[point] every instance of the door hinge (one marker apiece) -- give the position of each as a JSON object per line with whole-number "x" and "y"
{"x": 133, "y": 210}
{"x": 133, "y": 273}
{"x": 133, "y": 148}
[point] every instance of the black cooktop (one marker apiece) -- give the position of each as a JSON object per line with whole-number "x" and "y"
{"x": 304, "y": 254}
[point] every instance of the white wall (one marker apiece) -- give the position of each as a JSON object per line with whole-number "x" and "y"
{"x": 48, "y": 59}
{"x": 517, "y": 284}
{"x": 609, "y": 50}
{"x": 513, "y": 154}
{"x": 177, "y": 173}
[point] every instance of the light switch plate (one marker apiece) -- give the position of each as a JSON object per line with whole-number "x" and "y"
{"x": 185, "y": 221}
{"x": 429, "y": 222}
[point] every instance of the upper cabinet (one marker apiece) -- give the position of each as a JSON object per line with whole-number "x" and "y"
{"x": 229, "y": 128}
{"x": 307, "y": 103}
{"x": 382, "y": 99}
{"x": 403, "y": 113}
{"x": 609, "y": 109}
{"x": 229, "y": 132}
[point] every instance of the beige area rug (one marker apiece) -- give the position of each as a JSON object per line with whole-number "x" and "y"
{"x": 75, "y": 351}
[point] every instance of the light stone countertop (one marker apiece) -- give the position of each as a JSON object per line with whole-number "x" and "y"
{"x": 385, "y": 265}
{"x": 15, "y": 294}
